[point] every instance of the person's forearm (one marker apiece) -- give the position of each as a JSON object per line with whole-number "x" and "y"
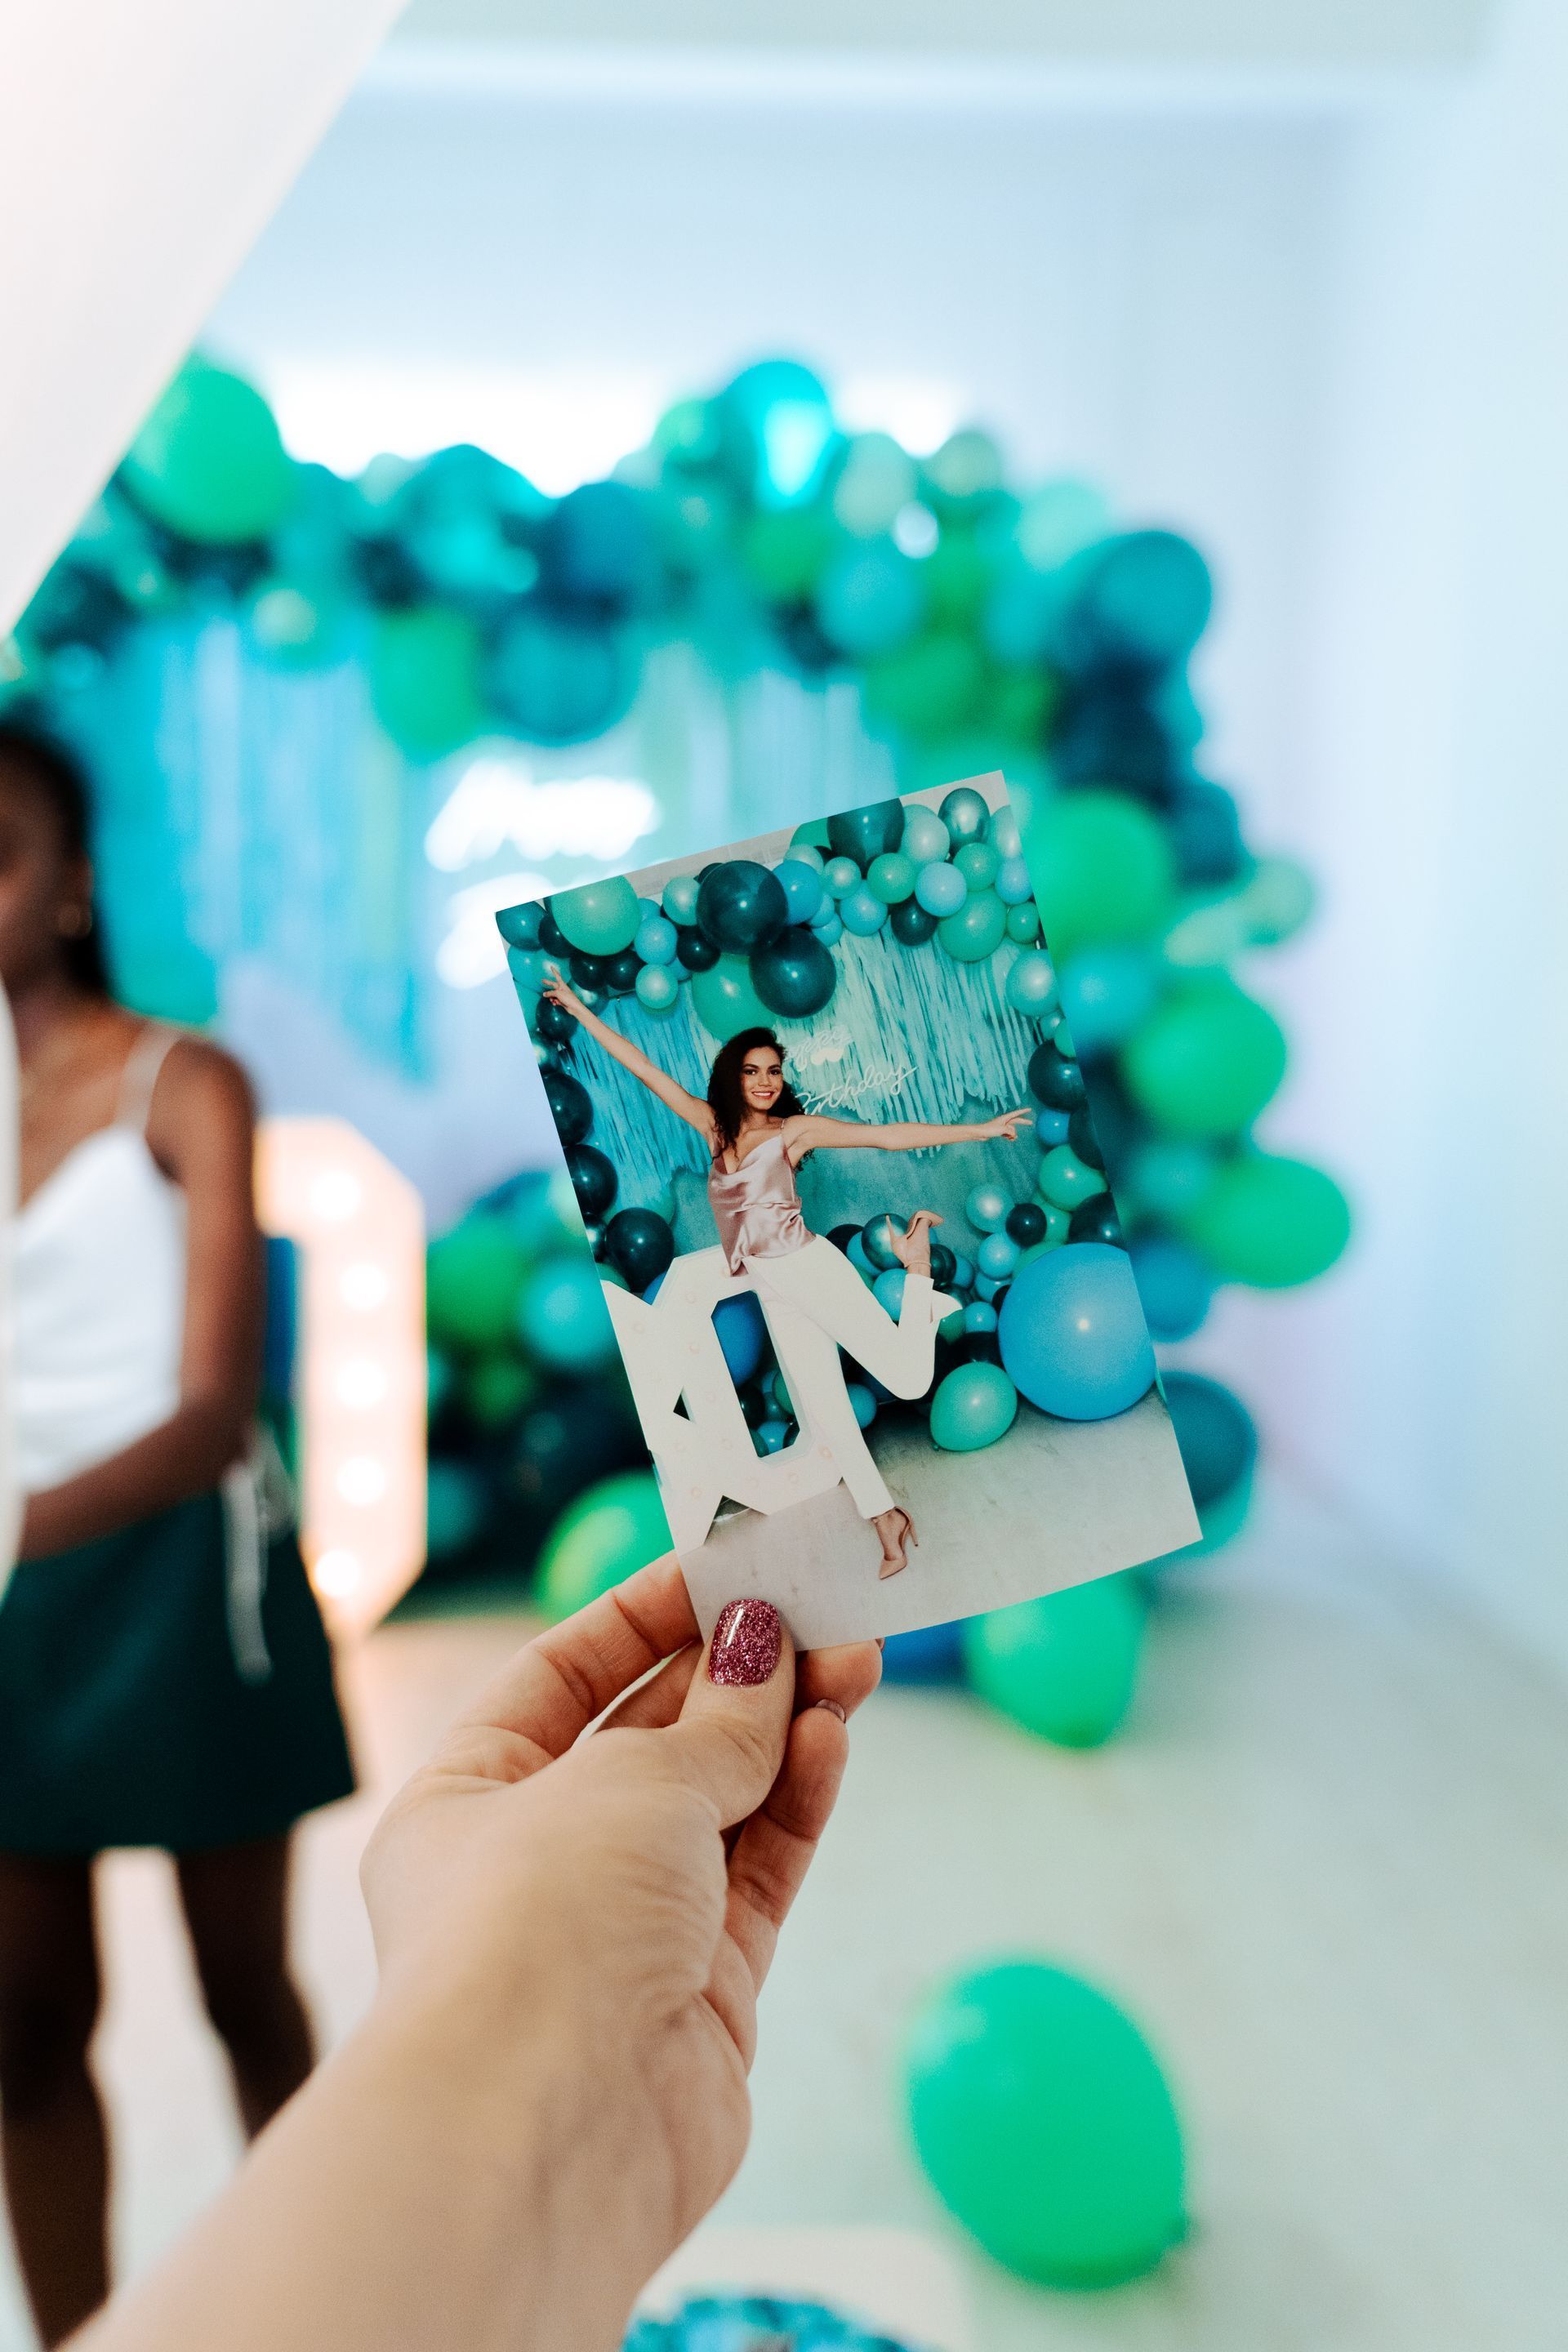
{"x": 433, "y": 2186}
{"x": 917, "y": 1134}
{"x": 184, "y": 1456}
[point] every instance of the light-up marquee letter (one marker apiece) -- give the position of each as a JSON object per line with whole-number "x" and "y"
{"x": 359, "y": 1226}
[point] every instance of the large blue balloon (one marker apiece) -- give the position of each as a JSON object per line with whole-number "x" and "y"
{"x": 1072, "y": 1333}
{"x": 595, "y": 549}
{"x": 560, "y": 680}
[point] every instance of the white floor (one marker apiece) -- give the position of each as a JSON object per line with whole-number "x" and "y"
{"x": 1323, "y": 1865}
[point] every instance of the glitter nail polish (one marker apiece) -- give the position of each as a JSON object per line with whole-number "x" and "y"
{"x": 745, "y": 1643}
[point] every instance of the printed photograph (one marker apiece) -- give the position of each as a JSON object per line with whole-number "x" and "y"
{"x": 834, "y": 1151}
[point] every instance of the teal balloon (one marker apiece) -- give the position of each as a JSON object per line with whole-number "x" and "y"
{"x": 1024, "y": 923}
{"x": 802, "y": 886}
{"x": 977, "y": 930}
{"x": 888, "y": 1290}
{"x": 209, "y": 463}
{"x": 940, "y": 888}
{"x": 680, "y": 899}
{"x": 561, "y": 1317}
{"x": 1107, "y": 992}
{"x": 1013, "y": 885}
{"x": 986, "y": 1208}
{"x": 1065, "y": 1667}
{"x": 870, "y": 601}
{"x": 1044, "y": 2124}
{"x": 876, "y": 1237}
{"x": 655, "y": 940}
{"x": 518, "y": 926}
{"x": 794, "y": 975}
{"x": 973, "y": 1406}
{"x": 840, "y": 875}
{"x": 741, "y": 905}
{"x": 965, "y": 815}
{"x": 558, "y": 679}
{"x": 785, "y": 422}
{"x": 1072, "y": 1333}
{"x": 658, "y": 988}
{"x": 925, "y": 836}
{"x": 598, "y": 918}
{"x": 638, "y": 1243}
{"x": 864, "y": 833}
{"x": 1144, "y": 598}
{"x": 862, "y": 912}
{"x": 1031, "y": 983}
{"x": 978, "y": 863}
{"x": 724, "y": 1000}
{"x": 456, "y": 1506}
{"x": 423, "y": 668}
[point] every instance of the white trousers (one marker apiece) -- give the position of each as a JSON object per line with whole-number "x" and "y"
{"x": 816, "y": 1303}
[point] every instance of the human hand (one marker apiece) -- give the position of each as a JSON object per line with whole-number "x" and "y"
{"x": 556, "y": 989}
{"x": 619, "y": 1897}
{"x": 1004, "y": 1128}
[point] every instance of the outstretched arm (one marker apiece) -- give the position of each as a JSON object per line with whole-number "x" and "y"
{"x": 688, "y": 1107}
{"x": 810, "y": 1133}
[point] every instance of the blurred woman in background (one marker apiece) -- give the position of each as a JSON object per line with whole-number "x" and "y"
{"x": 164, "y": 1677}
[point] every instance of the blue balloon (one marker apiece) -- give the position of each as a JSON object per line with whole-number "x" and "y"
{"x": 934, "y": 1654}
{"x": 596, "y": 548}
{"x": 827, "y": 927}
{"x": 940, "y": 888}
{"x": 839, "y": 876}
{"x": 862, "y": 912}
{"x": 986, "y": 1208}
{"x": 1051, "y": 1127}
{"x": 1174, "y": 1284}
{"x": 456, "y": 1506}
{"x": 742, "y": 1335}
{"x": 997, "y": 1256}
{"x": 680, "y": 895}
{"x": 862, "y": 1402}
{"x": 787, "y": 421}
{"x": 855, "y": 1251}
{"x": 1106, "y": 992}
{"x": 802, "y": 889}
{"x": 1013, "y": 885}
{"x": 1214, "y": 1433}
{"x": 870, "y": 600}
{"x": 962, "y": 1273}
{"x": 1072, "y": 1333}
{"x": 770, "y": 1436}
{"x": 1143, "y": 597}
{"x": 655, "y": 941}
{"x": 560, "y": 680}
{"x": 979, "y": 1316}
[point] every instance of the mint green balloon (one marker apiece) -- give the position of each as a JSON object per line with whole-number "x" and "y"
{"x": 209, "y": 463}
{"x": 1023, "y": 922}
{"x": 724, "y": 1000}
{"x": 973, "y": 1406}
{"x": 1206, "y": 1060}
{"x": 425, "y": 680}
{"x": 1103, "y": 868}
{"x": 891, "y": 877}
{"x": 1045, "y": 2125}
{"x": 976, "y": 930}
{"x": 1270, "y": 1222}
{"x": 606, "y": 1535}
{"x": 1064, "y": 1666}
{"x": 599, "y": 918}
{"x": 1065, "y": 1179}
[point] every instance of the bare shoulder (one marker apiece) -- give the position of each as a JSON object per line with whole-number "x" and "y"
{"x": 201, "y": 1100}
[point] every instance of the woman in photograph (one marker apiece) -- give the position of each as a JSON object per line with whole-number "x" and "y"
{"x": 164, "y": 1677}
{"x": 757, "y": 1132}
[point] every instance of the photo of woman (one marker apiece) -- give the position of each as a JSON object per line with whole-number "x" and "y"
{"x": 757, "y": 1133}
{"x": 832, "y": 1149}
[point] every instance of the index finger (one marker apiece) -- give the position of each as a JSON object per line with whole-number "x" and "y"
{"x": 557, "y": 1683}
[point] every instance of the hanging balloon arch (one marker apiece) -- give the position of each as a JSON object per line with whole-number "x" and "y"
{"x": 984, "y": 627}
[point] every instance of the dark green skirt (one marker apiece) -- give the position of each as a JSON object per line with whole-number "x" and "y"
{"x": 148, "y": 1697}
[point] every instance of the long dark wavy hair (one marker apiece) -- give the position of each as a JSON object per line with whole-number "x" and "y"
{"x": 726, "y": 1101}
{"x": 37, "y": 763}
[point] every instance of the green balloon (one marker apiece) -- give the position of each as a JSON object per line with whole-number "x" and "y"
{"x": 1103, "y": 868}
{"x": 815, "y": 835}
{"x": 1270, "y": 1222}
{"x": 864, "y": 834}
{"x": 784, "y": 553}
{"x": 425, "y": 680}
{"x": 599, "y": 919}
{"x": 1023, "y": 922}
{"x": 891, "y": 877}
{"x": 498, "y": 1387}
{"x": 973, "y": 1406}
{"x": 1045, "y": 2125}
{"x": 928, "y": 688}
{"x": 610, "y": 1532}
{"x": 471, "y": 1280}
{"x": 1206, "y": 1060}
{"x": 209, "y": 462}
{"x": 1064, "y": 1666}
{"x": 1065, "y": 1179}
{"x": 976, "y": 930}
{"x": 724, "y": 1000}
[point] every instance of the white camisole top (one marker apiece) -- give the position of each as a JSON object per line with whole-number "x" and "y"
{"x": 99, "y": 1292}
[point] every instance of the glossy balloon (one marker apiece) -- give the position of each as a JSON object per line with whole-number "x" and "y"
{"x": 862, "y": 912}
{"x": 742, "y": 906}
{"x": 803, "y": 887}
{"x": 1072, "y": 1332}
{"x": 795, "y": 974}
{"x": 656, "y": 940}
{"x": 925, "y": 838}
{"x": 978, "y": 863}
{"x": 997, "y": 1256}
{"x": 694, "y": 951}
{"x": 976, "y": 930}
{"x": 1065, "y": 1179}
{"x": 593, "y": 1180}
{"x": 679, "y": 896}
{"x": 600, "y": 918}
{"x": 1031, "y": 983}
{"x": 641, "y": 1243}
{"x": 866, "y": 834}
{"x": 724, "y": 1000}
{"x": 1096, "y": 1220}
{"x": 965, "y": 815}
{"x": 877, "y": 1238}
{"x": 571, "y": 1106}
{"x": 658, "y": 988}
{"x": 891, "y": 877}
{"x": 973, "y": 1406}
{"x": 986, "y": 1208}
{"x": 910, "y": 923}
{"x": 1056, "y": 1079}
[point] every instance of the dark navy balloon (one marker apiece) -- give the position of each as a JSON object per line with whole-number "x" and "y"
{"x": 1174, "y": 1284}
{"x": 595, "y": 549}
{"x": 910, "y": 923}
{"x": 1095, "y": 1220}
{"x": 554, "y": 1022}
{"x": 794, "y": 974}
{"x": 741, "y": 905}
{"x": 865, "y": 833}
{"x": 1216, "y": 1435}
{"x": 592, "y": 1180}
{"x": 1054, "y": 1079}
{"x": 695, "y": 950}
{"x": 571, "y": 1106}
{"x": 1025, "y": 1224}
{"x": 1082, "y": 1137}
{"x": 641, "y": 1243}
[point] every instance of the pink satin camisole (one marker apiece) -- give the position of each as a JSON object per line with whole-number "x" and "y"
{"x": 756, "y": 1207}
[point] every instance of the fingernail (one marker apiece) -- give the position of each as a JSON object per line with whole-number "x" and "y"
{"x": 832, "y": 1707}
{"x": 746, "y": 1639}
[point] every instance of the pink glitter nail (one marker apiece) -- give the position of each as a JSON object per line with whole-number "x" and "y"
{"x": 746, "y": 1642}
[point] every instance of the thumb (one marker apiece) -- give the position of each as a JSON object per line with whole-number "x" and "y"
{"x": 729, "y": 1739}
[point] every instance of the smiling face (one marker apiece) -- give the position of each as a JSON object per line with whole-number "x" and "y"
{"x": 762, "y": 1079}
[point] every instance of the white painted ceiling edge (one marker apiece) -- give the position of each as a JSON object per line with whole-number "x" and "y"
{"x": 143, "y": 150}
{"x": 1323, "y": 33}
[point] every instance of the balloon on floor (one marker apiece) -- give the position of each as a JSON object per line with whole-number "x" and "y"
{"x": 1044, "y": 2122}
